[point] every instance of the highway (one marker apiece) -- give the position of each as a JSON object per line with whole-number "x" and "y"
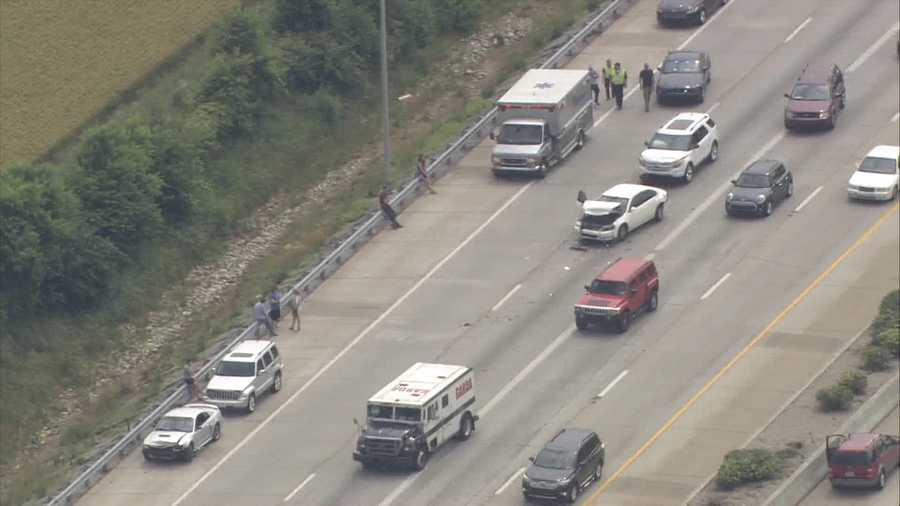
{"x": 432, "y": 290}
{"x": 824, "y": 495}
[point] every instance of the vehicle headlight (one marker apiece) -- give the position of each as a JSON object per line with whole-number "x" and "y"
{"x": 729, "y": 196}
{"x": 823, "y": 114}
{"x": 679, "y": 162}
{"x": 607, "y": 227}
{"x": 495, "y": 160}
{"x": 852, "y": 187}
{"x": 789, "y": 114}
{"x": 564, "y": 479}
{"x": 642, "y": 162}
{"x": 245, "y": 393}
{"x": 760, "y": 198}
{"x": 577, "y": 223}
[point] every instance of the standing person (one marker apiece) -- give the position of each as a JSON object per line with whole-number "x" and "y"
{"x": 262, "y": 319}
{"x": 421, "y": 171}
{"x": 189, "y": 383}
{"x": 619, "y": 81}
{"x": 595, "y": 88}
{"x": 607, "y": 77}
{"x": 275, "y": 307}
{"x": 646, "y": 78}
{"x": 295, "y": 304}
{"x": 387, "y": 209}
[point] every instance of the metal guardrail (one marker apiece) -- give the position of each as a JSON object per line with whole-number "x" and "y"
{"x": 440, "y": 165}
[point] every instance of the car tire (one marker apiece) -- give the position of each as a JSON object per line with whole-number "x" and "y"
{"x": 894, "y": 193}
{"x": 217, "y": 432}
{"x": 251, "y": 403}
{"x": 713, "y": 152}
{"x": 790, "y": 190}
{"x": 767, "y": 211}
{"x": 624, "y": 322}
{"x": 598, "y": 471}
{"x": 466, "y": 426}
{"x": 189, "y": 453}
{"x": 276, "y": 383}
{"x": 420, "y": 460}
{"x": 542, "y": 170}
{"x": 147, "y": 457}
{"x": 702, "y": 94}
{"x": 660, "y": 213}
{"x": 581, "y": 323}
{"x": 688, "y": 173}
{"x": 701, "y": 18}
{"x": 881, "y": 480}
{"x": 622, "y": 234}
{"x": 572, "y": 495}
{"x": 580, "y": 142}
{"x": 653, "y": 302}
{"x": 831, "y": 121}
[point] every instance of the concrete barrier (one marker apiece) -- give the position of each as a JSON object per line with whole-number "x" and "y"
{"x": 814, "y": 469}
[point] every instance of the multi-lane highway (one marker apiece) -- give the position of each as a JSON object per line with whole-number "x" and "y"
{"x": 482, "y": 274}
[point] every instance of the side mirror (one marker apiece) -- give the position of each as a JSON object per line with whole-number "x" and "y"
{"x": 694, "y": 145}
{"x": 647, "y": 143}
{"x": 734, "y": 182}
{"x": 587, "y": 288}
{"x": 582, "y": 197}
{"x": 356, "y": 422}
{"x": 659, "y": 68}
{"x": 531, "y": 459}
{"x": 787, "y": 95}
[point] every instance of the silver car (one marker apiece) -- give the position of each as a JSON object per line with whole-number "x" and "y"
{"x": 252, "y": 368}
{"x": 184, "y": 431}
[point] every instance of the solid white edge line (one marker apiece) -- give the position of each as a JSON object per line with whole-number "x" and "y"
{"x": 353, "y": 343}
{"x": 491, "y": 403}
{"x": 713, "y": 108}
{"x": 612, "y": 384}
{"x": 506, "y": 297}
{"x": 716, "y": 195}
{"x": 807, "y": 199}
{"x": 895, "y": 117}
{"x": 508, "y": 482}
{"x": 301, "y": 485}
{"x": 874, "y": 47}
{"x": 717, "y": 285}
{"x": 797, "y": 30}
{"x": 708, "y": 21}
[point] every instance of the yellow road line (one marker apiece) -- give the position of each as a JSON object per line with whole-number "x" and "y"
{"x": 681, "y": 411}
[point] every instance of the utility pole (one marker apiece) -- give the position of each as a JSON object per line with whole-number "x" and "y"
{"x": 384, "y": 96}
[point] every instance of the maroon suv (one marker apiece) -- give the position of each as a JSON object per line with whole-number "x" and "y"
{"x": 627, "y": 287}
{"x": 817, "y": 98}
{"x": 861, "y": 460}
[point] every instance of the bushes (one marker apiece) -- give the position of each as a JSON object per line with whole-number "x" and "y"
{"x": 837, "y": 397}
{"x": 747, "y": 466}
{"x": 885, "y": 332}
{"x": 876, "y": 358}
{"x": 855, "y": 381}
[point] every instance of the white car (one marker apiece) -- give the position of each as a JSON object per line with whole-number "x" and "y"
{"x": 680, "y": 147}
{"x": 878, "y": 176}
{"x": 184, "y": 431}
{"x": 621, "y": 209}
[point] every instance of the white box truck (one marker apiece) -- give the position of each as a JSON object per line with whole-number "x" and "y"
{"x": 543, "y": 118}
{"x": 416, "y": 413}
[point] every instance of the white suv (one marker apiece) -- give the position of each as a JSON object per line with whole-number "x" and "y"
{"x": 252, "y": 367}
{"x": 680, "y": 146}
{"x": 877, "y": 176}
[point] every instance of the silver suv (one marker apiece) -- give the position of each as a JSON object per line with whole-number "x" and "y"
{"x": 252, "y": 367}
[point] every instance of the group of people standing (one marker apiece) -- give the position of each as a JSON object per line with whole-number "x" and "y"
{"x": 615, "y": 80}
{"x": 384, "y": 197}
{"x": 269, "y": 319}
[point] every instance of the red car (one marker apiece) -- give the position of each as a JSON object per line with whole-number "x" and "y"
{"x": 626, "y": 288}
{"x": 861, "y": 460}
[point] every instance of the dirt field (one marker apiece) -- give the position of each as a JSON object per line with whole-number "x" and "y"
{"x": 61, "y": 62}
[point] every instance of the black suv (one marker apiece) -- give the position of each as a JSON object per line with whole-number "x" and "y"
{"x": 680, "y": 11}
{"x": 759, "y": 187}
{"x": 567, "y": 464}
{"x": 683, "y": 74}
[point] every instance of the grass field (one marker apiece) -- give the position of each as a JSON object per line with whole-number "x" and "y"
{"x": 63, "y": 62}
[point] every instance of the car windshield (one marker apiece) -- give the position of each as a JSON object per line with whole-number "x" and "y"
{"x": 850, "y": 459}
{"x": 608, "y": 287}
{"x": 176, "y": 424}
{"x": 671, "y": 142}
{"x": 878, "y": 165}
{"x": 242, "y": 369}
{"x": 550, "y": 458}
{"x": 810, "y": 92}
{"x": 520, "y": 134}
{"x": 671, "y": 66}
{"x": 753, "y": 181}
{"x": 408, "y": 414}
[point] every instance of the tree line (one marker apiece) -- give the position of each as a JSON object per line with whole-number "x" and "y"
{"x": 68, "y": 229}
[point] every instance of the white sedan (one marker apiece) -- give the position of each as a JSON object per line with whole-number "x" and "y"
{"x": 878, "y": 176}
{"x": 620, "y": 210}
{"x": 183, "y": 431}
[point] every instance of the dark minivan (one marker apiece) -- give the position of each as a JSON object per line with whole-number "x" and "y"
{"x": 565, "y": 466}
{"x": 816, "y": 99}
{"x": 861, "y": 460}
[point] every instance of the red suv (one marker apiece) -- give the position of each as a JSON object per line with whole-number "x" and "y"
{"x": 861, "y": 460}
{"x": 816, "y": 99}
{"x": 627, "y": 287}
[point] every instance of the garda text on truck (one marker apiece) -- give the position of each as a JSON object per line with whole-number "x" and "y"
{"x": 543, "y": 118}
{"x": 416, "y": 413}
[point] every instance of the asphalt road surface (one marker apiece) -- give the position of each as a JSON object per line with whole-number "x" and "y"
{"x": 824, "y": 495}
{"x": 432, "y": 290}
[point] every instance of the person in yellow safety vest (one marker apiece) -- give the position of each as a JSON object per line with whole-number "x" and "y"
{"x": 619, "y": 81}
{"x": 607, "y": 75}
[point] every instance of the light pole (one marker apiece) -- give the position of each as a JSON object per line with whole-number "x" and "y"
{"x": 384, "y": 96}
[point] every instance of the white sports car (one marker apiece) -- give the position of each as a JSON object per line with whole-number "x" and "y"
{"x": 618, "y": 211}
{"x": 184, "y": 431}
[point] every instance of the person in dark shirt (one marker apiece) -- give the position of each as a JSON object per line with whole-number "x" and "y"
{"x": 646, "y": 78}
{"x": 386, "y": 208}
